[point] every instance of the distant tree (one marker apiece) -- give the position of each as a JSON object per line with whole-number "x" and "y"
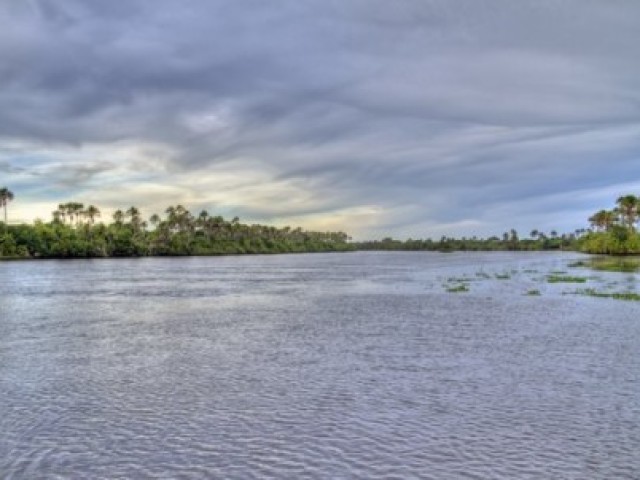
{"x": 92, "y": 212}
{"x": 71, "y": 210}
{"x": 78, "y": 209}
{"x": 57, "y": 216}
{"x": 628, "y": 209}
{"x": 603, "y": 219}
{"x": 134, "y": 215}
{"x": 154, "y": 220}
{"x": 6, "y": 196}
{"x": 118, "y": 217}
{"x": 61, "y": 212}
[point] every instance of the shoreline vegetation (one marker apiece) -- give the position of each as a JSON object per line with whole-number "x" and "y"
{"x": 611, "y": 232}
{"x": 76, "y": 232}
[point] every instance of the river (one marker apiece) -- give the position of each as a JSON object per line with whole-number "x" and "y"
{"x": 353, "y": 365}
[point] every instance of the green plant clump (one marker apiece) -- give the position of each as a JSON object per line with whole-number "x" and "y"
{"x": 458, "y": 289}
{"x": 534, "y": 293}
{"x": 611, "y": 264}
{"x": 565, "y": 279}
{"x": 629, "y": 296}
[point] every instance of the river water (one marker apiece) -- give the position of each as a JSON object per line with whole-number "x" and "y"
{"x": 354, "y": 365}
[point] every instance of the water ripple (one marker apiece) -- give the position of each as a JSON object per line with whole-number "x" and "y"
{"x": 312, "y": 366}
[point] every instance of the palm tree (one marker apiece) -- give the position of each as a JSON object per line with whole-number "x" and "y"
{"x": 603, "y": 220}
{"x": 72, "y": 210}
{"x": 171, "y": 217}
{"x": 203, "y": 217}
{"x": 118, "y": 217}
{"x": 628, "y": 208}
{"x": 134, "y": 214}
{"x": 154, "y": 220}
{"x": 92, "y": 212}
{"x": 78, "y": 208}
{"x": 62, "y": 211}
{"x": 6, "y": 196}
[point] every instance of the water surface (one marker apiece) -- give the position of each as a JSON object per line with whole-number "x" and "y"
{"x": 355, "y": 365}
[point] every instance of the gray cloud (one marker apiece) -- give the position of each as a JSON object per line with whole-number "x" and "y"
{"x": 436, "y": 116}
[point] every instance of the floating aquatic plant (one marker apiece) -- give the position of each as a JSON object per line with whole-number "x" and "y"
{"x": 565, "y": 279}
{"x": 458, "y": 288}
{"x": 629, "y": 296}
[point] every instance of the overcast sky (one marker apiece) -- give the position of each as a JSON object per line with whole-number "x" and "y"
{"x": 411, "y": 118}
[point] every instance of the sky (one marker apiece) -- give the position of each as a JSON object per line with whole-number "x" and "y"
{"x": 404, "y": 118}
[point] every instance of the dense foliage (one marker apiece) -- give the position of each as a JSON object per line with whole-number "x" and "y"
{"x": 75, "y": 233}
{"x": 614, "y": 231}
{"x": 508, "y": 241}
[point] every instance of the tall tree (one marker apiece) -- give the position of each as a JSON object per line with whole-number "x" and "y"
{"x": 62, "y": 212}
{"x": 92, "y": 212}
{"x": 603, "y": 219}
{"x": 118, "y": 217}
{"x": 154, "y": 220}
{"x": 6, "y": 196}
{"x": 73, "y": 210}
{"x": 134, "y": 214}
{"x": 628, "y": 208}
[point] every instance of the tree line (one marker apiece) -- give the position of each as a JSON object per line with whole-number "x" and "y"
{"x": 76, "y": 232}
{"x": 508, "y": 241}
{"x": 614, "y": 231}
{"x": 611, "y": 232}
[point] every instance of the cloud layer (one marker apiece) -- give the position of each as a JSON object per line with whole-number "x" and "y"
{"x": 412, "y": 118}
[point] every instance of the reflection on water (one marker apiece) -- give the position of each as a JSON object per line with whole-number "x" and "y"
{"x": 355, "y": 365}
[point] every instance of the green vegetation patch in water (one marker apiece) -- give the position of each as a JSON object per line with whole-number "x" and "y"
{"x": 565, "y": 279}
{"x": 534, "y": 293}
{"x": 629, "y": 296}
{"x": 611, "y": 264}
{"x": 458, "y": 289}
